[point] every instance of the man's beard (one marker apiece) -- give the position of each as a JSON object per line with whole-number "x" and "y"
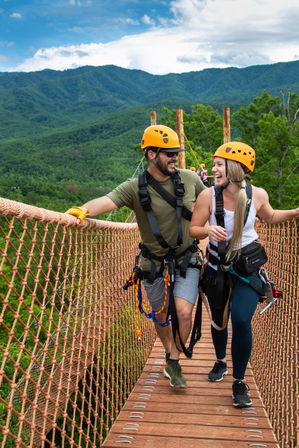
{"x": 164, "y": 170}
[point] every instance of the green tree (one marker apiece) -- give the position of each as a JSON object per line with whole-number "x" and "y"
{"x": 270, "y": 125}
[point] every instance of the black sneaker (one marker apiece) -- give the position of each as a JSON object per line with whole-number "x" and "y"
{"x": 240, "y": 396}
{"x": 173, "y": 371}
{"x": 218, "y": 371}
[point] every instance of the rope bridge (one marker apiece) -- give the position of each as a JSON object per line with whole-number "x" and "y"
{"x": 69, "y": 354}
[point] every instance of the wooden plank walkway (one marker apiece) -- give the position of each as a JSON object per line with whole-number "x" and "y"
{"x": 202, "y": 415}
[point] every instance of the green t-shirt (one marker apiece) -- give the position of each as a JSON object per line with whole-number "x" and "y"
{"x": 126, "y": 194}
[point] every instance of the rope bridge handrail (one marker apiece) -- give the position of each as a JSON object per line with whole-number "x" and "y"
{"x": 274, "y": 359}
{"x": 69, "y": 356}
{"x": 68, "y": 352}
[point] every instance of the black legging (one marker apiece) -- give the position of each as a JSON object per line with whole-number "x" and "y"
{"x": 243, "y": 305}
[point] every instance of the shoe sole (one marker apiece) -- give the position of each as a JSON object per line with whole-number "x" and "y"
{"x": 242, "y": 405}
{"x": 220, "y": 379}
{"x": 176, "y": 387}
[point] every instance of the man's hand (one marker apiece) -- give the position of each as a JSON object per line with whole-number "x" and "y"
{"x": 79, "y": 212}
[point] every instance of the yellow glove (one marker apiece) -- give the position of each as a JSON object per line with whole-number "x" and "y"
{"x": 78, "y": 212}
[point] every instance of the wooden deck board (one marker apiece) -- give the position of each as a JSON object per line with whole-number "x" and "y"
{"x": 200, "y": 416}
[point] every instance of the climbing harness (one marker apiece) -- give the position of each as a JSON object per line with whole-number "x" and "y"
{"x": 169, "y": 262}
{"x": 250, "y": 261}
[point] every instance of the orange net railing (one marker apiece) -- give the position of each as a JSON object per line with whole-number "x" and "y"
{"x": 69, "y": 355}
{"x": 274, "y": 359}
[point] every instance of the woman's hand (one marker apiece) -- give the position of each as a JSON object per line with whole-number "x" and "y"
{"x": 217, "y": 233}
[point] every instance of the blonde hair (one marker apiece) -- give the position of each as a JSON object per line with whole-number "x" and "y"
{"x": 235, "y": 173}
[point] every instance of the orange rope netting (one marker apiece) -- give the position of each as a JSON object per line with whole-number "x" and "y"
{"x": 69, "y": 355}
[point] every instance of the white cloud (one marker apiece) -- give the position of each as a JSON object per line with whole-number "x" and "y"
{"x": 15, "y": 15}
{"x": 203, "y": 34}
{"x": 147, "y": 20}
{"x": 4, "y": 43}
{"x": 129, "y": 21}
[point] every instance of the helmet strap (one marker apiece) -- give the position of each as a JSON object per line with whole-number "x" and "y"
{"x": 228, "y": 179}
{"x": 155, "y": 158}
{"x": 226, "y": 184}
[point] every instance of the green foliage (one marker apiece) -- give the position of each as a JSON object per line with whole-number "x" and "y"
{"x": 271, "y": 126}
{"x": 38, "y": 102}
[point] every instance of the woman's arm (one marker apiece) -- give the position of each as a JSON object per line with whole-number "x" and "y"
{"x": 199, "y": 226}
{"x": 265, "y": 211}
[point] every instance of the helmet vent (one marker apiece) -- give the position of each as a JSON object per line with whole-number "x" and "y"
{"x": 228, "y": 149}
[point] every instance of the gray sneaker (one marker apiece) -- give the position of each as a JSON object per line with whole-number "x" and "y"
{"x": 240, "y": 394}
{"x": 173, "y": 371}
{"x": 218, "y": 371}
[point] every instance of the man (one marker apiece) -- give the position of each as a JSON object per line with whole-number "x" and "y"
{"x": 164, "y": 230}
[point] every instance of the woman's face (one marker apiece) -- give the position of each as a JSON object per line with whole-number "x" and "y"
{"x": 219, "y": 171}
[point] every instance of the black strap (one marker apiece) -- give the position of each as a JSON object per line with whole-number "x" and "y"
{"x": 176, "y": 202}
{"x": 186, "y": 213}
{"x": 196, "y": 329}
{"x": 220, "y": 213}
{"x": 145, "y": 201}
{"x": 249, "y": 200}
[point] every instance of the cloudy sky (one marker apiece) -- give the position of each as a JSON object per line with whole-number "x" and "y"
{"x": 157, "y": 36}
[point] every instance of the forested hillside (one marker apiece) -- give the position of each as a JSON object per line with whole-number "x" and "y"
{"x": 69, "y": 136}
{"x": 31, "y": 103}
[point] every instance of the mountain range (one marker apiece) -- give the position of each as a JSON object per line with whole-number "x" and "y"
{"x": 38, "y": 102}
{"x": 66, "y": 136}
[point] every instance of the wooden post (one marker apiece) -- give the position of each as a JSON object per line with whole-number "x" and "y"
{"x": 226, "y": 125}
{"x": 153, "y": 117}
{"x": 180, "y": 132}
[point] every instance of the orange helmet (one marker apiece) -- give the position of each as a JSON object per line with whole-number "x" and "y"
{"x": 239, "y": 152}
{"x": 160, "y": 136}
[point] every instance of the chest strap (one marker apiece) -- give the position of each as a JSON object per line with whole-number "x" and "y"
{"x": 176, "y": 202}
{"x": 220, "y": 213}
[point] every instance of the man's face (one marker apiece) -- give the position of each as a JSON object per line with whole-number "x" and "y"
{"x": 166, "y": 162}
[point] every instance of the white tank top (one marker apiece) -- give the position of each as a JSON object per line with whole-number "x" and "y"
{"x": 249, "y": 234}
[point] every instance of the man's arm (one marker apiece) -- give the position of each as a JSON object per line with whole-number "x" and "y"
{"x": 99, "y": 206}
{"x": 93, "y": 208}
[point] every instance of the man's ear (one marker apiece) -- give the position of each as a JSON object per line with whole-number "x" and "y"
{"x": 151, "y": 154}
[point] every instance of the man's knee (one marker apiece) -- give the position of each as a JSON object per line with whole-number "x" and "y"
{"x": 184, "y": 311}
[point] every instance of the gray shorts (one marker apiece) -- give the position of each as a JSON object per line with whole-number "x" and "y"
{"x": 185, "y": 288}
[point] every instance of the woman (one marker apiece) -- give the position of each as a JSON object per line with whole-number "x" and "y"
{"x": 232, "y": 162}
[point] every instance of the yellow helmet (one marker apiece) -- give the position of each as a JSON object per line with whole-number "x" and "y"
{"x": 192, "y": 168}
{"x": 160, "y": 136}
{"x": 239, "y": 152}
